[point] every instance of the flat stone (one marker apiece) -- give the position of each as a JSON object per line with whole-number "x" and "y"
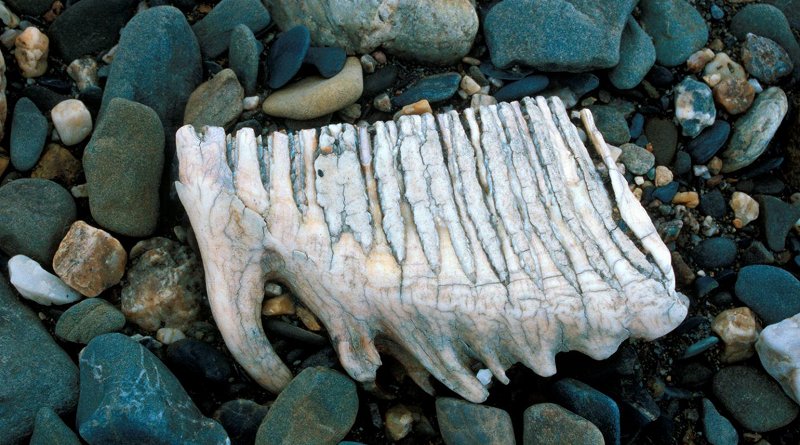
{"x": 434, "y": 88}
{"x": 636, "y": 159}
{"x": 753, "y": 132}
{"x": 118, "y": 373}
{"x": 791, "y": 8}
{"x": 89, "y": 259}
{"x": 550, "y": 424}
{"x": 462, "y": 422}
{"x": 243, "y": 57}
{"x": 29, "y": 131}
{"x": 30, "y": 7}
{"x": 521, "y": 31}
{"x": 89, "y": 26}
{"x": 694, "y": 106}
{"x": 34, "y": 216}
{"x": 88, "y": 319}
{"x": 314, "y": 96}
{"x": 37, "y": 284}
{"x": 636, "y": 56}
{"x": 241, "y": 419}
{"x": 214, "y": 30}
{"x": 610, "y": 120}
{"x": 676, "y": 27}
{"x": 124, "y": 161}
{"x": 592, "y": 405}
{"x": 318, "y": 406}
{"x": 328, "y": 61}
{"x": 773, "y": 293}
{"x": 36, "y": 372}
{"x": 703, "y": 147}
{"x": 216, "y": 102}
{"x": 528, "y": 86}
{"x": 663, "y": 136}
{"x": 767, "y": 21}
{"x": 712, "y": 203}
{"x": 718, "y": 429}
{"x": 198, "y": 361}
{"x": 778, "y": 349}
{"x": 713, "y": 253}
{"x": 286, "y": 55}
{"x": 49, "y": 429}
{"x": 379, "y": 81}
{"x": 777, "y": 219}
{"x": 753, "y": 399}
{"x": 665, "y": 193}
{"x": 764, "y": 59}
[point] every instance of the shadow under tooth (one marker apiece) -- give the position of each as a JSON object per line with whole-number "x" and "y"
{"x": 230, "y": 153}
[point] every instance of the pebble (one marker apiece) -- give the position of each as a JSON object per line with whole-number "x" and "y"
{"x": 243, "y": 57}
{"x": 318, "y": 406}
{"x": 399, "y": 422}
{"x": 636, "y": 159}
{"x": 764, "y": 59}
{"x": 778, "y": 349}
{"x": 718, "y": 429}
{"x": 241, "y": 419}
{"x": 28, "y": 134}
{"x": 734, "y": 95}
{"x": 37, "y": 284}
{"x": 482, "y": 100}
{"x": 757, "y": 253}
{"x": 89, "y": 26}
{"x": 36, "y": 373}
{"x": 435, "y": 88}
{"x": 328, "y": 61}
{"x": 84, "y": 72}
{"x": 714, "y": 253}
{"x": 571, "y": 87}
{"x": 777, "y": 219}
{"x": 49, "y": 429}
{"x": 58, "y": 164}
{"x": 704, "y": 285}
{"x": 197, "y": 361}
{"x": 89, "y": 260}
{"x": 72, "y": 121}
{"x": 592, "y": 405}
{"x": 34, "y": 216}
{"x": 660, "y": 76}
{"x": 126, "y": 200}
{"x": 118, "y": 373}
{"x": 792, "y": 10}
{"x": 286, "y": 55}
{"x": 88, "y": 319}
{"x": 663, "y": 175}
{"x": 703, "y": 147}
{"x": 368, "y": 63}
{"x": 30, "y": 7}
{"x": 767, "y": 21}
{"x": 164, "y": 285}
{"x": 527, "y": 87}
{"x": 694, "y": 106}
{"x": 636, "y": 56}
{"x": 773, "y": 293}
{"x": 516, "y": 31}
{"x": 700, "y": 347}
{"x": 699, "y": 59}
{"x": 168, "y": 336}
{"x": 713, "y": 204}
{"x": 688, "y": 199}
{"x": 716, "y": 12}
{"x": 462, "y": 422}
{"x": 745, "y": 209}
{"x": 667, "y": 192}
{"x": 610, "y": 120}
{"x": 676, "y": 27}
{"x": 469, "y": 85}
{"x": 721, "y": 68}
{"x": 314, "y": 97}
{"x": 280, "y": 305}
{"x": 753, "y": 131}
{"x": 32, "y": 48}
{"x": 753, "y": 399}
{"x": 636, "y": 127}
{"x": 214, "y": 30}
{"x": 738, "y": 329}
{"x": 250, "y": 103}
{"x": 380, "y": 80}
{"x": 382, "y": 102}
{"x": 216, "y": 102}
{"x": 549, "y": 424}
{"x": 663, "y": 136}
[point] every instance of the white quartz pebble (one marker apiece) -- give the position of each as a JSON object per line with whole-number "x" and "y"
{"x": 37, "y": 284}
{"x": 72, "y": 121}
{"x": 778, "y": 347}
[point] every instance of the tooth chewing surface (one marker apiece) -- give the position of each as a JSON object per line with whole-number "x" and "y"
{"x": 487, "y": 236}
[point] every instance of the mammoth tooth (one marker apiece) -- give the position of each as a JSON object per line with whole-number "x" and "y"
{"x": 487, "y": 236}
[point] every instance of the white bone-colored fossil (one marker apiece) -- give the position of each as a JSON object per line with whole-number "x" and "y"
{"x": 486, "y": 236}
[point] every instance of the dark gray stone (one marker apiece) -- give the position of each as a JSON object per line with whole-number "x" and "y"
{"x": 713, "y": 253}
{"x": 636, "y": 159}
{"x": 462, "y": 422}
{"x": 592, "y": 405}
{"x": 677, "y": 29}
{"x": 327, "y": 61}
{"x": 118, "y": 374}
{"x": 286, "y": 55}
{"x": 709, "y": 141}
{"x": 764, "y": 59}
{"x": 611, "y": 122}
{"x": 241, "y": 419}
{"x": 713, "y": 204}
{"x": 89, "y": 26}
{"x": 791, "y": 9}
{"x": 718, "y": 429}
{"x": 767, "y": 21}
{"x": 753, "y": 132}
{"x": 49, "y": 429}
{"x": 663, "y": 135}
{"x": 379, "y": 81}
{"x": 528, "y": 86}
{"x": 199, "y": 361}
{"x": 28, "y": 135}
{"x": 636, "y": 56}
{"x": 88, "y": 319}
{"x": 753, "y": 398}
{"x": 771, "y": 292}
{"x": 243, "y": 55}
{"x": 550, "y": 424}
{"x": 434, "y": 88}
{"x": 776, "y": 218}
{"x": 214, "y": 30}
{"x": 30, "y": 7}
{"x": 216, "y": 102}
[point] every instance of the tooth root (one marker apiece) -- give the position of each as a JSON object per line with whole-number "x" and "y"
{"x": 249, "y": 187}
{"x": 365, "y": 157}
{"x": 284, "y": 216}
{"x": 308, "y": 142}
{"x": 389, "y": 189}
{"x": 357, "y": 216}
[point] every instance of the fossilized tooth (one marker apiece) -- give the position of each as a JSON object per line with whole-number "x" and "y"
{"x": 487, "y": 236}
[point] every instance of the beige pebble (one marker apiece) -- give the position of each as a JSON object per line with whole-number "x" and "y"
{"x": 273, "y": 289}
{"x": 379, "y": 57}
{"x": 419, "y": 107}
{"x": 689, "y": 199}
{"x": 469, "y": 85}
{"x": 84, "y": 72}
{"x": 89, "y": 259}
{"x": 720, "y": 68}
{"x": 482, "y": 100}
{"x": 72, "y": 121}
{"x": 714, "y": 165}
{"x": 470, "y": 61}
{"x": 738, "y": 328}
{"x": 108, "y": 57}
{"x": 399, "y": 422}
{"x": 169, "y": 335}
{"x": 32, "y": 47}
{"x": 308, "y": 318}
{"x": 699, "y": 59}
{"x": 716, "y": 45}
{"x": 382, "y": 102}
{"x": 80, "y": 191}
{"x": 280, "y": 305}
{"x": 663, "y": 176}
{"x": 745, "y": 209}
{"x": 368, "y": 63}
{"x": 58, "y": 164}
{"x": 250, "y": 103}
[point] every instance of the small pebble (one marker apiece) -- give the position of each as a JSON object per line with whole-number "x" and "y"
{"x": 698, "y": 60}
{"x": 32, "y": 48}
{"x": 368, "y": 63}
{"x": 250, "y": 103}
{"x": 469, "y": 85}
{"x": 663, "y": 176}
{"x": 721, "y": 68}
{"x": 72, "y": 120}
{"x": 700, "y": 347}
{"x": 420, "y": 107}
{"x": 380, "y": 57}
{"x": 89, "y": 259}
{"x": 399, "y": 422}
{"x": 713, "y": 253}
{"x": 694, "y": 106}
{"x": 738, "y": 329}
{"x": 482, "y": 100}
{"x": 88, "y": 319}
{"x": 689, "y": 199}
{"x": 383, "y": 102}
{"x": 745, "y": 209}
{"x": 462, "y": 422}
{"x": 84, "y": 72}
{"x": 37, "y": 284}
{"x": 168, "y": 336}
{"x": 735, "y": 95}
{"x": 280, "y": 305}
{"x": 717, "y": 14}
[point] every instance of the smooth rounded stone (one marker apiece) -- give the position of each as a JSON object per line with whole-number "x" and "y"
{"x": 663, "y": 136}
{"x": 718, "y": 429}
{"x": 700, "y": 347}
{"x": 434, "y": 88}
{"x": 49, "y": 429}
{"x": 521, "y": 31}
{"x": 610, "y": 120}
{"x": 712, "y": 203}
{"x": 118, "y": 373}
{"x": 214, "y": 30}
{"x": 216, "y": 102}
{"x": 243, "y": 55}
{"x": 161, "y": 34}
{"x": 37, "y": 284}
{"x": 36, "y": 372}
{"x": 88, "y": 319}
{"x": 123, "y": 163}
{"x": 734, "y": 95}
{"x": 694, "y": 106}
{"x": 703, "y": 147}
{"x": 528, "y": 86}
{"x": 31, "y": 49}
{"x": 636, "y": 127}
{"x": 89, "y": 26}
{"x": 777, "y": 219}
{"x": 29, "y": 131}
{"x": 462, "y": 422}
{"x": 570, "y": 88}
{"x": 241, "y": 419}
{"x": 713, "y": 253}
{"x": 168, "y": 336}
{"x": 753, "y": 132}
{"x": 30, "y": 7}
{"x": 89, "y": 260}
{"x": 767, "y": 21}
{"x": 704, "y": 285}
{"x": 58, "y": 164}
{"x": 328, "y": 61}
{"x": 791, "y": 8}
{"x": 773, "y": 293}
{"x": 636, "y": 159}
{"x": 72, "y": 120}
{"x": 757, "y": 253}
{"x": 764, "y": 59}
{"x": 636, "y": 56}
{"x": 379, "y": 81}
{"x": 315, "y": 96}
{"x": 660, "y": 76}
{"x": 745, "y": 209}
{"x": 753, "y": 399}
{"x": 286, "y": 55}
{"x": 34, "y": 216}
{"x": 682, "y": 164}
{"x": 699, "y": 59}
{"x": 592, "y": 405}
{"x": 421, "y": 30}
{"x": 721, "y": 68}
{"x": 778, "y": 349}
{"x": 667, "y": 192}
{"x": 738, "y": 329}
{"x": 319, "y": 406}
{"x": 676, "y": 27}
{"x": 164, "y": 285}
{"x": 550, "y": 424}
{"x": 199, "y": 361}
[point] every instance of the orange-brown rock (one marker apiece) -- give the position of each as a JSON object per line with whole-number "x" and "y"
{"x": 58, "y": 164}
{"x": 735, "y": 95}
{"x": 738, "y": 329}
{"x": 89, "y": 260}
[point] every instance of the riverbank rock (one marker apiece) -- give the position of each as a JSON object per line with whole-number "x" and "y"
{"x": 753, "y": 131}
{"x": 548, "y": 424}
{"x": 216, "y": 102}
{"x": 636, "y": 56}
{"x": 753, "y": 399}
{"x": 214, "y": 30}
{"x": 464, "y": 422}
{"x": 89, "y": 26}
{"x": 89, "y": 260}
{"x": 778, "y": 349}
{"x": 676, "y": 27}
{"x": 767, "y": 21}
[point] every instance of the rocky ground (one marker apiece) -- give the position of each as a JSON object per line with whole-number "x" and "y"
{"x": 105, "y": 331}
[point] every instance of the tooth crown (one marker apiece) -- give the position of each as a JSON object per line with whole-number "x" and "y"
{"x": 485, "y": 236}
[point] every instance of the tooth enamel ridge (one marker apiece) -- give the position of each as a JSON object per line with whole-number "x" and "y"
{"x": 487, "y": 236}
